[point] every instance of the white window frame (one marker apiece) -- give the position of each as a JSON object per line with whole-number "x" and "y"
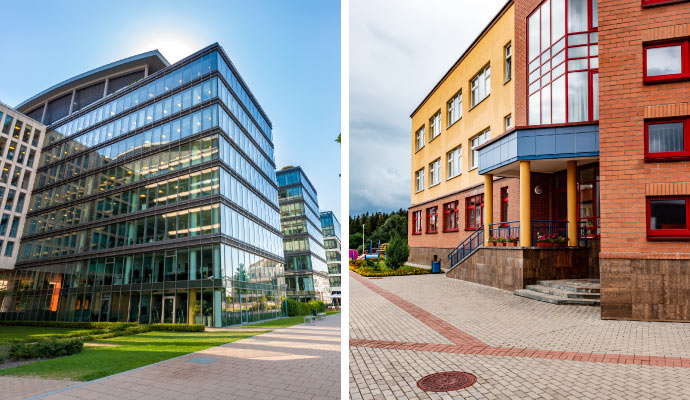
{"x": 454, "y": 162}
{"x": 419, "y": 139}
{"x": 455, "y": 109}
{"x": 508, "y": 122}
{"x": 435, "y": 172}
{"x": 475, "y": 142}
{"x": 481, "y": 86}
{"x": 419, "y": 180}
{"x": 508, "y": 62}
{"x": 435, "y": 126}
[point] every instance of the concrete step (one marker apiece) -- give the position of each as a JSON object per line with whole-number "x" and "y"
{"x": 562, "y": 293}
{"x": 574, "y": 285}
{"x": 549, "y": 298}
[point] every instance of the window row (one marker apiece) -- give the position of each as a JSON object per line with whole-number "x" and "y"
{"x": 449, "y": 216}
{"x": 11, "y": 222}
{"x": 16, "y": 133}
{"x": 9, "y": 248}
{"x": 157, "y": 228}
{"x": 298, "y": 226}
{"x": 174, "y": 159}
{"x": 297, "y": 210}
{"x": 334, "y": 269}
{"x": 157, "y": 194}
{"x": 295, "y": 193}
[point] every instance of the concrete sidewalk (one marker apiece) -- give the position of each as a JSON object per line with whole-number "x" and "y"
{"x": 299, "y": 362}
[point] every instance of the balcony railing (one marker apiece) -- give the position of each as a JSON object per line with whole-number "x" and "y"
{"x": 509, "y": 229}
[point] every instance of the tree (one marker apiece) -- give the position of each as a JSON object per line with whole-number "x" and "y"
{"x": 397, "y": 252}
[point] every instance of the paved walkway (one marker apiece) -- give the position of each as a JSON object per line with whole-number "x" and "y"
{"x": 404, "y": 328}
{"x": 299, "y": 362}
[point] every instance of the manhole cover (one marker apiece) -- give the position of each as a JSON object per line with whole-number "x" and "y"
{"x": 446, "y": 381}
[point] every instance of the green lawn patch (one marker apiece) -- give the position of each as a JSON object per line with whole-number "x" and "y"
{"x": 8, "y": 333}
{"x": 281, "y": 322}
{"x": 129, "y": 352}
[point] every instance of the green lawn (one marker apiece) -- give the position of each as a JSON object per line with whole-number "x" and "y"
{"x": 282, "y": 322}
{"x": 36, "y": 332}
{"x": 131, "y": 352}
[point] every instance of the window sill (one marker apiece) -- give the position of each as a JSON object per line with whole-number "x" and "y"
{"x": 450, "y": 230}
{"x": 416, "y": 233}
{"x": 419, "y": 191}
{"x": 434, "y": 185}
{"x": 653, "y": 80}
{"x": 420, "y": 149}
{"x": 471, "y": 229}
{"x": 431, "y": 232}
{"x": 472, "y": 169}
{"x": 668, "y": 238}
{"x": 507, "y": 80}
{"x": 458, "y": 120}
{"x": 453, "y": 177}
{"x": 480, "y": 102}
{"x": 434, "y": 138}
{"x": 652, "y": 159}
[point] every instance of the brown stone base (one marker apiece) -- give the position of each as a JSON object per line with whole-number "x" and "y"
{"x": 424, "y": 256}
{"x": 513, "y": 268}
{"x": 645, "y": 290}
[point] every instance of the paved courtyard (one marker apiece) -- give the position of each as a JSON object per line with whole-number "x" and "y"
{"x": 404, "y": 328}
{"x": 300, "y": 362}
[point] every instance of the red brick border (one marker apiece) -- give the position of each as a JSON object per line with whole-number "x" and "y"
{"x": 467, "y": 344}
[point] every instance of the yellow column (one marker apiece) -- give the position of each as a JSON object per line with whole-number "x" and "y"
{"x": 191, "y": 313}
{"x": 571, "y": 192}
{"x": 525, "y": 205}
{"x": 488, "y": 205}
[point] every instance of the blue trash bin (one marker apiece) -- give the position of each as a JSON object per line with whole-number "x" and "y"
{"x": 436, "y": 267}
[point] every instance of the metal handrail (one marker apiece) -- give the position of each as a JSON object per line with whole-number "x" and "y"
{"x": 504, "y": 229}
{"x": 467, "y": 246}
{"x": 545, "y": 226}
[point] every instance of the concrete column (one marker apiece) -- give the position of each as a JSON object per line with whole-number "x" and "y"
{"x": 525, "y": 205}
{"x": 488, "y": 205}
{"x": 571, "y": 193}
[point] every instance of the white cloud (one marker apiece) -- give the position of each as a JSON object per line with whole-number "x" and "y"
{"x": 399, "y": 49}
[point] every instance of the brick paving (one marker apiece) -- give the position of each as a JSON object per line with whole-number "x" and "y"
{"x": 16, "y": 388}
{"x": 299, "y": 362}
{"x": 521, "y": 348}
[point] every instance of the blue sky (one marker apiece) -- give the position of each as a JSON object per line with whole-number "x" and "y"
{"x": 288, "y": 52}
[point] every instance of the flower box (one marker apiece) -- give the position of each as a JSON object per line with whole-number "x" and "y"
{"x": 544, "y": 244}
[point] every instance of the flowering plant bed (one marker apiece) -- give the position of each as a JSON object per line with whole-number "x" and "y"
{"x": 385, "y": 271}
{"x": 551, "y": 240}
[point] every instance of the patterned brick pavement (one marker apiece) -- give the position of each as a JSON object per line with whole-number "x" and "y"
{"x": 536, "y": 347}
{"x": 300, "y": 362}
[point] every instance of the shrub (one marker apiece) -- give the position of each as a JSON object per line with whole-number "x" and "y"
{"x": 397, "y": 252}
{"x": 74, "y": 325}
{"x": 177, "y": 327}
{"x": 295, "y": 308}
{"x": 3, "y": 358}
{"x": 407, "y": 270}
{"x": 46, "y": 349}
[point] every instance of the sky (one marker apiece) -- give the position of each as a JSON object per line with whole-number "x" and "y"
{"x": 399, "y": 50}
{"x": 288, "y": 53}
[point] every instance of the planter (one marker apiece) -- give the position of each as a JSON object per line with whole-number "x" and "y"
{"x": 492, "y": 243}
{"x": 503, "y": 244}
{"x": 512, "y": 244}
{"x": 544, "y": 244}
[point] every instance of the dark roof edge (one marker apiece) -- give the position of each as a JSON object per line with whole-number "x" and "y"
{"x": 464, "y": 54}
{"x": 152, "y": 53}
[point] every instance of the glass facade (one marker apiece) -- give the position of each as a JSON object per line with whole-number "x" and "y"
{"x": 330, "y": 226}
{"x": 157, "y": 203}
{"x": 306, "y": 268}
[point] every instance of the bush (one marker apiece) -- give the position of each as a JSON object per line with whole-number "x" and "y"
{"x": 3, "y": 358}
{"x": 46, "y": 349}
{"x": 74, "y": 325}
{"x": 295, "y": 308}
{"x": 177, "y": 327}
{"x": 397, "y": 252}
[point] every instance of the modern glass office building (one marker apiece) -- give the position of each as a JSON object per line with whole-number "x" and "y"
{"x": 155, "y": 199}
{"x": 306, "y": 271}
{"x": 330, "y": 227}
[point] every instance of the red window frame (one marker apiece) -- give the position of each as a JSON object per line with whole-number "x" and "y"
{"x": 471, "y": 204}
{"x": 668, "y": 234}
{"x": 675, "y": 155}
{"x": 685, "y": 62}
{"x": 432, "y": 219}
{"x": 451, "y": 216}
{"x": 504, "y": 204}
{"x": 417, "y": 222}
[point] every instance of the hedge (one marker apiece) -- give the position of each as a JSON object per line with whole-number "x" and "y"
{"x": 45, "y": 349}
{"x": 295, "y": 308}
{"x": 75, "y": 325}
{"x": 177, "y": 327}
